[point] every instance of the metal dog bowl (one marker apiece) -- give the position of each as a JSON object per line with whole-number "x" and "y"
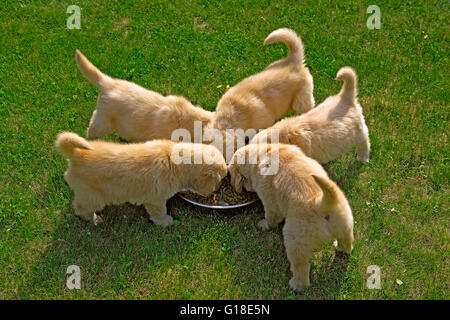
{"x": 222, "y": 204}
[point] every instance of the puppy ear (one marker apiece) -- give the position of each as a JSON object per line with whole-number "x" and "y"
{"x": 202, "y": 183}
{"x": 236, "y": 178}
{"x": 329, "y": 195}
{"x": 197, "y": 182}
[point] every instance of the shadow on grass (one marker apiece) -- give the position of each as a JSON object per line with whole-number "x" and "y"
{"x": 328, "y": 278}
{"x": 206, "y": 255}
{"x": 126, "y": 250}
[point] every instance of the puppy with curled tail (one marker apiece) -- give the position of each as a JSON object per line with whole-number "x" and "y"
{"x": 334, "y": 127}
{"x": 291, "y": 40}
{"x": 349, "y": 90}
{"x": 105, "y": 173}
{"x": 300, "y": 193}
{"x": 259, "y": 100}
{"x": 135, "y": 113}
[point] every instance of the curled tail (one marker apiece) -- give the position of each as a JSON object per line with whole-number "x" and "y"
{"x": 348, "y": 75}
{"x": 289, "y": 38}
{"x": 91, "y": 72}
{"x": 67, "y": 141}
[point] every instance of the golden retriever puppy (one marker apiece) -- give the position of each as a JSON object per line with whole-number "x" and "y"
{"x": 103, "y": 173}
{"x": 330, "y": 129}
{"x": 135, "y": 113}
{"x": 259, "y": 100}
{"x": 315, "y": 210}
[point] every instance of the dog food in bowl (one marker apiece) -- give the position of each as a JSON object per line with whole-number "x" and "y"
{"x": 225, "y": 196}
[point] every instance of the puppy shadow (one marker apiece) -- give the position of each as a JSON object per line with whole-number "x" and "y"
{"x": 127, "y": 248}
{"x": 120, "y": 248}
{"x": 328, "y": 278}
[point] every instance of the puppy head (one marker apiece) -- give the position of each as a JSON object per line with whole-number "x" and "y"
{"x": 209, "y": 180}
{"x": 251, "y": 163}
{"x": 331, "y": 201}
{"x": 212, "y": 171}
{"x": 237, "y": 179}
{"x": 239, "y": 175}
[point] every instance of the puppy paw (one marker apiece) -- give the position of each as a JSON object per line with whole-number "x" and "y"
{"x": 339, "y": 247}
{"x": 263, "y": 224}
{"x": 364, "y": 158}
{"x": 164, "y": 222}
{"x": 296, "y": 285}
{"x": 96, "y": 219}
{"x": 335, "y": 244}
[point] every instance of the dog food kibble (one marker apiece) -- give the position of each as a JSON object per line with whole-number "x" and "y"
{"x": 225, "y": 193}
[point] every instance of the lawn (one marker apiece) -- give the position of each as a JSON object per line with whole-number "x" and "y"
{"x": 400, "y": 199}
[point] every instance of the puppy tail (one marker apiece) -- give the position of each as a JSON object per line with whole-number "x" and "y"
{"x": 91, "y": 72}
{"x": 348, "y": 75}
{"x": 67, "y": 141}
{"x": 291, "y": 39}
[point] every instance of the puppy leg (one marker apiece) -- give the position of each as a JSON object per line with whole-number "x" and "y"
{"x": 99, "y": 126}
{"x": 300, "y": 266}
{"x": 363, "y": 151}
{"x": 304, "y": 99}
{"x": 87, "y": 212}
{"x": 272, "y": 219}
{"x": 345, "y": 243}
{"x": 299, "y": 243}
{"x": 86, "y": 201}
{"x": 158, "y": 214}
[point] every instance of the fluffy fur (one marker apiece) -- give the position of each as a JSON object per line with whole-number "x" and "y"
{"x": 315, "y": 210}
{"x": 135, "y": 113}
{"x": 259, "y": 100}
{"x": 330, "y": 129}
{"x": 104, "y": 173}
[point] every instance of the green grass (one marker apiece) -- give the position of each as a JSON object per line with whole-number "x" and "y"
{"x": 400, "y": 199}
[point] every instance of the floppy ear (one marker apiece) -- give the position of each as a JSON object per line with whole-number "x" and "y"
{"x": 201, "y": 179}
{"x": 203, "y": 183}
{"x": 236, "y": 177}
{"x": 198, "y": 181}
{"x": 329, "y": 196}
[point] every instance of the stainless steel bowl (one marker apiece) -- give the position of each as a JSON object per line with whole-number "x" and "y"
{"x": 223, "y": 204}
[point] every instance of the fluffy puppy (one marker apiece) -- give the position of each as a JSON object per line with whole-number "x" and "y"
{"x": 315, "y": 210}
{"x": 135, "y": 113}
{"x": 259, "y": 100}
{"x": 330, "y": 129}
{"x": 104, "y": 173}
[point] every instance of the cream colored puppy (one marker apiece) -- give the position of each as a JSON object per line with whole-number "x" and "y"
{"x": 104, "y": 173}
{"x": 259, "y": 100}
{"x": 330, "y": 129}
{"x": 315, "y": 210}
{"x": 135, "y": 113}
